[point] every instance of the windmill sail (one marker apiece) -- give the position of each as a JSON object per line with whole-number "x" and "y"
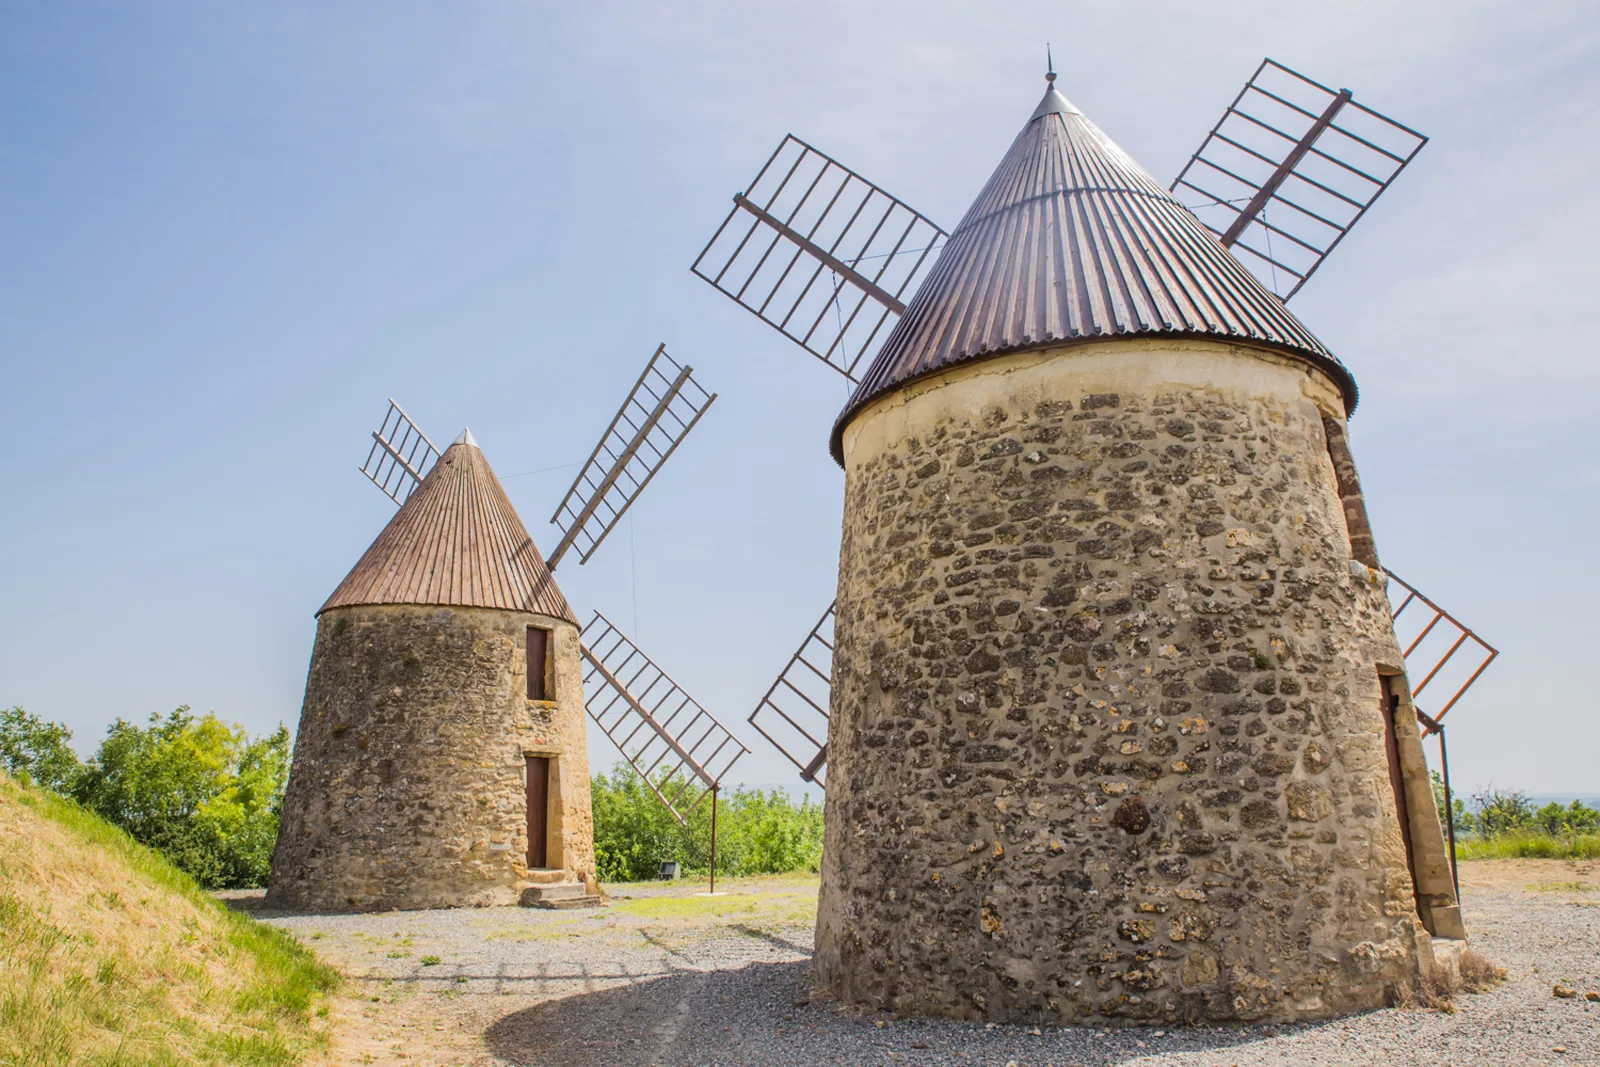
{"x": 1439, "y": 649}
{"x": 401, "y": 455}
{"x": 819, "y": 253}
{"x": 678, "y": 747}
{"x": 793, "y": 714}
{"x": 1286, "y": 172}
{"x": 661, "y": 409}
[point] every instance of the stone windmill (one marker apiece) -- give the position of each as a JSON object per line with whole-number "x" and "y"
{"x": 1117, "y": 722}
{"x": 441, "y": 758}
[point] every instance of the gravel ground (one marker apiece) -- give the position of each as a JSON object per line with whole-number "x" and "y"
{"x": 665, "y": 977}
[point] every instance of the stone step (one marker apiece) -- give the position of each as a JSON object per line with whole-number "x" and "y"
{"x": 555, "y": 890}
{"x": 556, "y": 895}
{"x": 563, "y": 903}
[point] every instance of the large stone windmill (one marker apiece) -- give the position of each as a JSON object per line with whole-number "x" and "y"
{"x": 1119, "y": 726}
{"x": 441, "y": 758}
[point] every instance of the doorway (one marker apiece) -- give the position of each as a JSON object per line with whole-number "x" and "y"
{"x": 538, "y": 812}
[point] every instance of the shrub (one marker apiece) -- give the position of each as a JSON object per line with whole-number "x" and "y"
{"x": 757, "y": 832}
{"x": 197, "y": 790}
{"x": 1500, "y": 811}
{"x": 1576, "y": 818}
{"x": 32, "y": 750}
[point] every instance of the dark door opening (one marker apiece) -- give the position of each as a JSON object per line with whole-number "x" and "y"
{"x": 538, "y": 658}
{"x": 538, "y": 811}
{"x": 1391, "y": 743}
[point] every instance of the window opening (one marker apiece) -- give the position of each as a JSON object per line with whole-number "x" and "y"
{"x": 538, "y": 663}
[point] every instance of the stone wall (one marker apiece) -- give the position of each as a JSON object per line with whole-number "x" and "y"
{"x": 408, "y": 787}
{"x": 1107, "y": 740}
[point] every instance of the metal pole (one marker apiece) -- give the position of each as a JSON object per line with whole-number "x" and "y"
{"x": 1450, "y": 812}
{"x": 714, "y": 842}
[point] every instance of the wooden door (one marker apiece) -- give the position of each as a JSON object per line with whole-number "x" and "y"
{"x": 538, "y": 811}
{"x": 1391, "y": 740}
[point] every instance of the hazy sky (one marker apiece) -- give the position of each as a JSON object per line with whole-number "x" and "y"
{"x": 228, "y": 232}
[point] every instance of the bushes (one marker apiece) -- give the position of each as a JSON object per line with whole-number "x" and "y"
{"x": 32, "y": 750}
{"x": 1504, "y": 824}
{"x": 757, "y": 832}
{"x": 198, "y": 790}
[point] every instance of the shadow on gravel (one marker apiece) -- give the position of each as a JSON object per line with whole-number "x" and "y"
{"x": 761, "y": 1015}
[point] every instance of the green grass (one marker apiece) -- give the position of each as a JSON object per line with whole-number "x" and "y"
{"x": 1530, "y": 846}
{"x": 109, "y": 955}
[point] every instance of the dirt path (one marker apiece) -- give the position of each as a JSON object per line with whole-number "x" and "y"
{"x": 666, "y": 977}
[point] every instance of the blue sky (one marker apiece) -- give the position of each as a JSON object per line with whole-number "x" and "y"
{"x": 229, "y": 232}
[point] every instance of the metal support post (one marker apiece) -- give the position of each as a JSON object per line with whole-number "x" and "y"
{"x": 1450, "y": 811}
{"x": 714, "y": 790}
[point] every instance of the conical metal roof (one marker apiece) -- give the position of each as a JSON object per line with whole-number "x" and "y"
{"x": 456, "y": 542}
{"x": 1071, "y": 240}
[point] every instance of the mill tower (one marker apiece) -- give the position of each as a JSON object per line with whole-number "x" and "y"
{"x": 1120, "y": 730}
{"x": 441, "y": 756}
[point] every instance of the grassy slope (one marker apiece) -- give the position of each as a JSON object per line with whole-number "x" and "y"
{"x": 111, "y": 956}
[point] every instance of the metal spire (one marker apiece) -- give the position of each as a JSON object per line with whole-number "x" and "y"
{"x": 1050, "y": 65}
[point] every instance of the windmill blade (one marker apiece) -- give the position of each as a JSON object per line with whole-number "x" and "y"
{"x": 1438, "y": 648}
{"x": 676, "y": 745}
{"x": 793, "y": 714}
{"x": 401, "y": 455}
{"x": 1290, "y": 167}
{"x": 819, "y": 253}
{"x": 658, "y": 414}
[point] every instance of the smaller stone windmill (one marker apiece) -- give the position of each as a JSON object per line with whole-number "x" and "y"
{"x": 1117, "y": 720}
{"x": 442, "y": 758}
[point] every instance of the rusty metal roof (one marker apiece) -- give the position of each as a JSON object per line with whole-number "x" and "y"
{"x": 1071, "y": 240}
{"x": 456, "y": 542}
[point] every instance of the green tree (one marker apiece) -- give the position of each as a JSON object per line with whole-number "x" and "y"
{"x": 633, "y": 831}
{"x": 37, "y": 751}
{"x": 198, "y": 790}
{"x": 1502, "y": 812}
{"x": 1576, "y": 818}
{"x": 757, "y": 833}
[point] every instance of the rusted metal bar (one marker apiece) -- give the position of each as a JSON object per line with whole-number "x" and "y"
{"x": 1493, "y": 652}
{"x": 1442, "y": 661}
{"x": 809, "y": 773}
{"x": 1270, "y": 186}
{"x": 1425, "y": 631}
{"x": 838, "y": 266}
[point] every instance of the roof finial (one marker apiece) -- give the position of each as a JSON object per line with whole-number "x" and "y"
{"x": 1049, "y": 60}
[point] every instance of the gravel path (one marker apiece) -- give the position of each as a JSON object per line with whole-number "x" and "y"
{"x": 663, "y": 977}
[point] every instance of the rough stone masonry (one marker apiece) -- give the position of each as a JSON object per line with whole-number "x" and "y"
{"x": 1107, "y": 727}
{"x": 409, "y": 786}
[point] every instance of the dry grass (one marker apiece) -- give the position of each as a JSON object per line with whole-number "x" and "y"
{"x": 1479, "y": 975}
{"x": 1438, "y": 991}
{"x": 111, "y": 956}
